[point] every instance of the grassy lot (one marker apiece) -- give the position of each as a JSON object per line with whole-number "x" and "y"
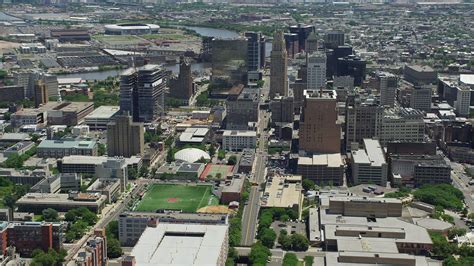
{"x": 188, "y": 198}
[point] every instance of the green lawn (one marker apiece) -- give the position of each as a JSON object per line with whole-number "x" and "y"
{"x": 188, "y": 198}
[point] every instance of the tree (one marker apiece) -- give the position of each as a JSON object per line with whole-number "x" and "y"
{"x": 284, "y": 240}
{"x": 268, "y": 237}
{"x": 444, "y": 195}
{"x": 441, "y": 246}
{"x": 132, "y": 173}
{"x": 232, "y": 160}
{"x": 169, "y": 156}
{"x": 290, "y": 259}
{"x": 308, "y": 184}
{"x": 259, "y": 254}
{"x": 221, "y": 154}
{"x": 50, "y": 215}
{"x": 114, "y": 250}
{"x": 112, "y": 230}
{"x": 101, "y": 149}
{"x": 299, "y": 242}
{"x": 260, "y": 83}
{"x": 456, "y": 231}
{"x": 235, "y": 229}
{"x": 212, "y": 151}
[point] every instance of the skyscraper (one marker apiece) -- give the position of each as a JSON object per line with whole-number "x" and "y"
{"x": 388, "y": 84}
{"x": 303, "y": 31}
{"x": 316, "y": 71}
{"x": 319, "y": 130}
{"x": 142, "y": 92}
{"x": 334, "y": 39}
{"x": 253, "y": 50}
{"x": 125, "y": 137}
{"x": 279, "y": 66}
{"x": 312, "y": 43}
{"x": 182, "y": 87}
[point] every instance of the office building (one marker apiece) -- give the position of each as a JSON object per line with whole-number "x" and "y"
{"x": 463, "y": 98}
{"x": 401, "y": 124}
{"x": 319, "y": 130}
{"x": 238, "y": 140}
{"x": 363, "y": 227}
{"x": 316, "y": 71}
{"x": 61, "y": 148}
{"x": 142, "y": 92}
{"x": 334, "y": 39}
{"x": 388, "y": 85}
{"x": 41, "y": 94}
{"x": 51, "y": 84}
{"x": 232, "y": 190}
{"x": 11, "y": 94}
{"x": 242, "y": 109}
{"x": 27, "y": 80}
{"x": 27, "y": 236}
{"x": 61, "y": 202}
{"x": 254, "y": 43}
{"x": 124, "y": 137}
{"x": 368, "y": 164}
{"x": 95, "y": 251}
{"x": 419, "y": 75}
{"x": 183, "y": 87}
{"x": 229, "y": 61}
{"x": 282, "y": 109}
{"x": 101, "y": 117}
{"x": 353, "y": 66}
{"x": 182, "y": 244}
{"x": 363, "y": 115}
{"x": 302, "y": 31}
{"x": 291, "y": 44}
{"x": 67, "y": 113}
{"x": 420, "y": 98}
{"x": 323, "y": 169}
{"x": 279, "y": 67}
{"x": 419, "y": 170}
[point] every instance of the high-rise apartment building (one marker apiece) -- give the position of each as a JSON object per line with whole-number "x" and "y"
{"x": 319, "y": 130}
{"x": 124, "y": 137}
{"x": 142, "y": 92}
{"x": 316, "y": 71}
{"x": 363, "y": 115}
{"x": 463, "y": 99}
{"x": 182, "y": 87}
{"x": 95, "y": 251}
{"x": 41, "y": 94}
{"x": 388, "y": 84}
{"x": 279, "y": 66}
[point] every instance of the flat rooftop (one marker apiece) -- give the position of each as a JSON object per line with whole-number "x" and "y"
{"x": 82, "y": 159}
{"x": 372, "y": 154}
{"x": 67, "y": 144}
{"x": 103, "y": 112}
{"x": 330, "y": 160}
{"x": 283, "y": 192}
{"x": 240, "y": 133}
{"x": 180, "y": 244}
{"x": 60, "y": 198}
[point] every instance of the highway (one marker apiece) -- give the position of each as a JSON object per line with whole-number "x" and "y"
{"x": 250, "y": 214}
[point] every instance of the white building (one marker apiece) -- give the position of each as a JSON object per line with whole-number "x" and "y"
{"x": 368, "y": 164}
{"x": 239, "y": 139}
{"x": 463, "y": 101}
{"x": 316, "y": 67}
{"x": 182, "y": 244}
{"x": 401, "y": 124}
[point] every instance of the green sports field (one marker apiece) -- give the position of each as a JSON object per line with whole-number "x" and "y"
{"x": 188, "y": 198}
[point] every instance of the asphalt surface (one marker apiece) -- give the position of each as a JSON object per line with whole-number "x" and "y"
{"x": 250, "y": 214}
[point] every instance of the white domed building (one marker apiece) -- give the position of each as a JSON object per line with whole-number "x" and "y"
{"x": 191, "y": 155}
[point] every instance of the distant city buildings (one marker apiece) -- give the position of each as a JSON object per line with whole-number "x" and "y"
{"x": 316, "y": 71}
{"x": 388, "y": 85}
